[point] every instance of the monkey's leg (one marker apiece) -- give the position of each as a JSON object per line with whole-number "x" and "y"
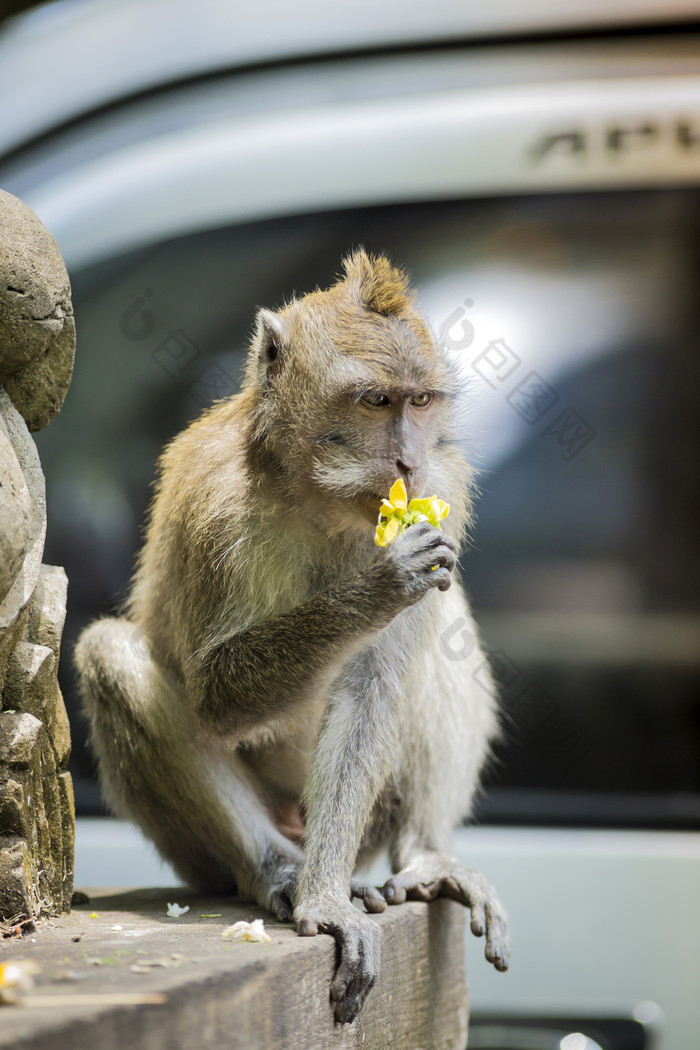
{"x": 196, "y": 801}
{"x": 352, "y": 758}
{"x": 437, "y": 776}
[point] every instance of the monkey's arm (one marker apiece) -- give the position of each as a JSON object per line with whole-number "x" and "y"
{"x": 255, "y": 675}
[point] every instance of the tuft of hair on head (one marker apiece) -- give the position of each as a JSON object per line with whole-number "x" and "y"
{"x": 379, "y": 286}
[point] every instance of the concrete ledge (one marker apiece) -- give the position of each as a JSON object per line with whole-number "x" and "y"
{"x": 227, "y": 995}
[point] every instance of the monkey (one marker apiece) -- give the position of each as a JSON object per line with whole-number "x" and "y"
{"x": 273, "y": 706}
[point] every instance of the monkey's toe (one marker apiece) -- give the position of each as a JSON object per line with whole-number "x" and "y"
{"x": 281, "y": 905}
{"x": 404, "y": 886}
{"x": 497, "y": 950}
{"x": 487, "y": 913}
{"x": 370, "y": 896}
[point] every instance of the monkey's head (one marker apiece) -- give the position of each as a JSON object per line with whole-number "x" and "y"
{"x": 350, "y": 391}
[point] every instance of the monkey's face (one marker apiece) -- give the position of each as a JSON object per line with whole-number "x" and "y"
{"x": 352, "y": 398}
{"x": 380, "y": 414}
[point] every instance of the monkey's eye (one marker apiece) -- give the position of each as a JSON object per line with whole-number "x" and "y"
{"x": 421, "y": 400}
{"x": 272, "y": 352}
{"x": 375, "y": 400}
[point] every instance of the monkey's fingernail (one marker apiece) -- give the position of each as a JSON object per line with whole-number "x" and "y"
{"x": 308, "y": 928}
{"x": 388, "y": 892}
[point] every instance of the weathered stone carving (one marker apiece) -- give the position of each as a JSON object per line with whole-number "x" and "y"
{"x": 37, "y": 344}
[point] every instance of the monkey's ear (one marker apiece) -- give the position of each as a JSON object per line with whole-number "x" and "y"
{"x": 272, "y": 340}
{"x": 379, "y": 286}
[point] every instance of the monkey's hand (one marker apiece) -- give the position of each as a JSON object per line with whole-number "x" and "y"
{"x": 431, "y": 875}
{"x": 418, "y": 559}
{"x": 357, "y": 937}
{"x": 278, "y": 890}
{"x": 277, "y": 881}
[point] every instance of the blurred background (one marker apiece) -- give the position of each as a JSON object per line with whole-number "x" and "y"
{"x": 536, "y": 167}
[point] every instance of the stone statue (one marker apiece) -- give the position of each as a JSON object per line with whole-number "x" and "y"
{"x": 37, "y": 345}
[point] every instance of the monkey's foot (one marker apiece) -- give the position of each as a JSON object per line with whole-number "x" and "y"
{"x": 357, "y": 938}
{"x": 431, "y": 875}
{"x": 276, "y": 883}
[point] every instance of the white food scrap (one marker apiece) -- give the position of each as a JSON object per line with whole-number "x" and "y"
{"x": 246, "y": 931}
{"x": 175, "y": 911}
{"x": 16, "y": 980}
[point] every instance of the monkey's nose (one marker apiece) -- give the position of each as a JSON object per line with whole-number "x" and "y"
{"x": 413, "y": 476}
{"x": 404, "y": 469}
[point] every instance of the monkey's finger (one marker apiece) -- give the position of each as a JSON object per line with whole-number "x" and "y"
{"x": 429, "y": 557}
{"x": 431, "y": 535}
{"x": 307, "y": 928}
{"x": 442, "y": 578}
{"x": 437, "y": 551}
{"x": 449, "y": 542}
{"x": 357, "y": 972}
{"x": 441, "y": 559}
{"x": 349, "y": 996}
{"x": 433, "y": 567}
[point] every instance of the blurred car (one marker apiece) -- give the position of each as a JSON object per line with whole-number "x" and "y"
{"x": 537, "y": 169}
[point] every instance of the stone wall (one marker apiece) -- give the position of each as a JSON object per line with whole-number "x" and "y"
{"x": 37, "y": 344}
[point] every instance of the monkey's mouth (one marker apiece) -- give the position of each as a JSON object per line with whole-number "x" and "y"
{"x": 374, "y": 499}
{"x": 368, "y": 503}
{"x": 411, "y": 492}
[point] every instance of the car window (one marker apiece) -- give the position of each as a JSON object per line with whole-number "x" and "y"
{"x": 573, "y": 321}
